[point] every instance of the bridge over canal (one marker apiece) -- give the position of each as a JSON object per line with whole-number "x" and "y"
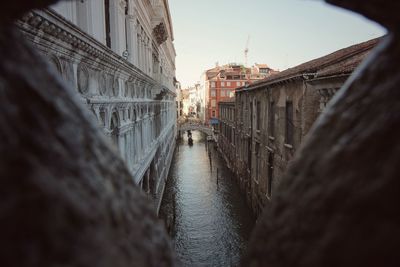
{"x": 195, "y": 127}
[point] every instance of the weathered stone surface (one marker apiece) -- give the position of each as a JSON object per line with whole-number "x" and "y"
{"x": 383, "y": 12}
{"x": 338, "y": 204}
{"x": 67, "y": 199}
{"x": 14, "y": 9}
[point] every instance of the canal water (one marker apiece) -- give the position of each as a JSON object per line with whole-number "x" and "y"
{"x": 212, "y": 222}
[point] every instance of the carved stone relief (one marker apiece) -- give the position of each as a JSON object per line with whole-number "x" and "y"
{"x": 68, "y": 71}
{"x": 83, "y": 79}
{"x": 103, "y": 117}
{"x": 103, "y": 84}
{"x": 55, "y": 61}
{"x": 109, "y": 84}
{"x": 115, "y": 86}
{"x": 127, "y": 89}
{"x": 160, "y": 33}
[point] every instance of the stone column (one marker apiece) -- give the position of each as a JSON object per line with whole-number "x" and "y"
{"x": 121, "y": 144}
{"x": 132, "y": 38}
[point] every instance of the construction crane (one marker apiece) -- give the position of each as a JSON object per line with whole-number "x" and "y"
{"x": 246, "y": 51}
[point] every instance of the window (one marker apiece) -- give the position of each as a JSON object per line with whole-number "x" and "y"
{"x": 213, "y": 103}
{"x": 271, "y": 119}
{"x": 228, "y": 83}
{"x": 289, "y": 123}
{"x": 257, "y": 161}
{"x": 248, "y": 154}
{"x": 222, "y": 84}
{"x": 243, "y": 83}
{"x": 270, "y": 173}
{"x": 213, "y": 94}
{"x": 258, "y": 114}
{"x": 241, "y": 113}
{"x": 212, "y": 84}
{"x": 223, "y": 93}
{"x": 238, "y": 83}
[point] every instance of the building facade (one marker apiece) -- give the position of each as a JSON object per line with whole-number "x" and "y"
{"x": 220, "y": 84}
{"x": 179, "y": 103}
{"x": 272, "y": 118}
{"x": 119, "y": 57}
{"x": 227, "y": 129}
{"x": 192, "y": 101}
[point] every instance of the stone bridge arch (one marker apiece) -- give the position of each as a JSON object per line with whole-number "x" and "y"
{"x": 195, "y": 127}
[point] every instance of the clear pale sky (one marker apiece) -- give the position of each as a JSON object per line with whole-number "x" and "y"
{"x": 283, "y": 33}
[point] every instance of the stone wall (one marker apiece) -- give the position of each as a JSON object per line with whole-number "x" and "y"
{"x": 273, "y": 119}
{"x": 226, "y": 135}
{"x": 123, "y": 100}
{"x": 67, "y": 199}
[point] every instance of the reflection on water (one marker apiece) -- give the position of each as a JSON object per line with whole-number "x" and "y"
{"x": 212, "y": 222}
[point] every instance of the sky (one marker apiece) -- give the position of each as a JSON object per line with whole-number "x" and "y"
{"x": 281, "y": 33}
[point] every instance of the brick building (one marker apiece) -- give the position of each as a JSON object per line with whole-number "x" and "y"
{"x": 220, "y": 84}
{"x": 273, "y": 116}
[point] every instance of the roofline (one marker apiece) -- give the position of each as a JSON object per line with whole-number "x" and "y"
{"x": 330, "y": 77}
{"x": 302, "y": 74}
{"x": 264, "y": 84}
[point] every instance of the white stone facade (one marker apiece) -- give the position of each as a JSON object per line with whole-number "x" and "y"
{"x": 120, "y": 58}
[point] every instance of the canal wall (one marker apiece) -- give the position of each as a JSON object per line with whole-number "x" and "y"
{"x": 164, "y": 176}
{"x": 242, "y": 177}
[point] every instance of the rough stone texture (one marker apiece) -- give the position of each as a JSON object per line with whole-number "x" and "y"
{"x": 339, "y": 202}
{"x": 383, "y": 12}
{"x": 12, "y": 10}
{"x": 67, "y": 199}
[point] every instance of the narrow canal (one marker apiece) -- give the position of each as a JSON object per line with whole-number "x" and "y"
{"x": 212, "y": 221}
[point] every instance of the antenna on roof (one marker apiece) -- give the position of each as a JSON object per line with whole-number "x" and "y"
{"x": 246, "y": 51}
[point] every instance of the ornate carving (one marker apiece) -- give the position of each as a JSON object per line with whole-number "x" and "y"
{"x": 122, "y": 4}
{"x": 110, "y": 84}
{"x": 102, "y": 84}
{"x": 115, "y": 86}
{"x": 160, "y": 33}
{"x": 55, "y": 61}
{"x": 83, "y": 79}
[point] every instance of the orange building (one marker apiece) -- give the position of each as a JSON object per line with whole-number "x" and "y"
{"x": 221, "y": 82}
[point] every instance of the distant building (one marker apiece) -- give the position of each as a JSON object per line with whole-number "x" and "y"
{"x": 227, "y": 123}
{"x": 192, "y": 101}
{"x": 185, "y": 102}
{"x": 272, "y": 117}
{"x": 179, "y": 103}
{"x": 220, "y": 84}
